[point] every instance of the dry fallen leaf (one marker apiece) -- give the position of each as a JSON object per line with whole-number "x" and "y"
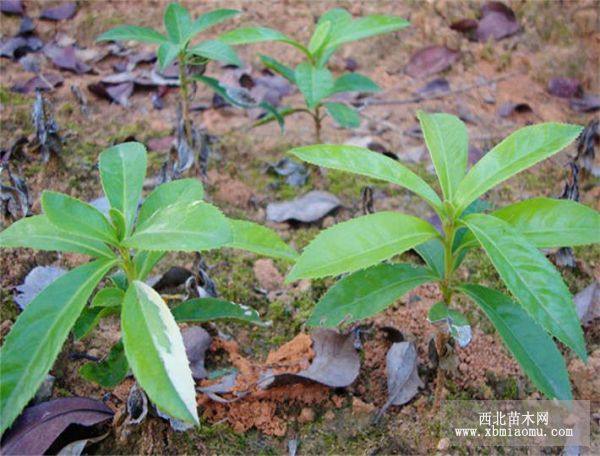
{"x": 307, "y": 208}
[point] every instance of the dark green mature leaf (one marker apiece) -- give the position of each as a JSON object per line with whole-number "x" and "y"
{"x": 519, "y": 151}
{"x": 177, "y": 191}
{"x": 278, "y": 67}
{"x": 366, "y": 27}
{"x": 359, "y": 243}
{"x": 216, "y": 50}
{"x": 144, "y": 261}
{"x": 34, "y": 341}
{"x": 155, "y": 351}
{"x": 226, "y": 92}
{"x": 178, "y": 23}
{"x": 89, "y": 319}
{"x": 366, "y": 293}
{"x": 38, "y": 233}
{"x": 367, "y": 163}
{"x": 344, "y": 116}
{"x": 531, "y": 346}
{"x": 211, "y": 18}
{"x": 209, "y": 309}
{"x": 76, "y": 217}
{"x": 432, "y": 252}
{"x": 122, "y": 171}
{"x": 108, "y": 297}
{"x": 547, "y": 222}
{"x": 314, "y": 83}
{"x": 353, "y": 82}
{"x": 531, "y": 278}
{"x": 183, "y": 227}
{"x": 447, "y": 139}
{"x": 132, "y": 32}
{"x": 273, "y": 112}
{"x": 109, "y": 372}
{"x": 167, "y": 52}
{"x": 259, "y": 239}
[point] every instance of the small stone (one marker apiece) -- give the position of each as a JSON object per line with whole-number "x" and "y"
{"x": 328, "y": 222}
{"x": 307, "y": 415}
{"x": 443, "y": 444}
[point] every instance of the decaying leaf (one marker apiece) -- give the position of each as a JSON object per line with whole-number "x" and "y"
{"x": 77, "y": 447}
{"x": 509, "y": 108}
{"x": 564, "y": 256}
{"x": 295, "y": 173}
{"x": 137, "y": 405}
{"x": 38, "y": 427}
{"x": 587, "y": 103}
{"x": 402, "y": 375}
{"x": 565, "y": 87}
{"x": 336, "y": 363}
{"x": 498, "y": 21}
{"x": 17, "y": 46}
{"x": 196, "y": 341}
{"x": 66, "y": 58}
{"x": 307, "y": 208}
{"x": 434, "y": 87}
{"x": 37, "y": 279}
{"x": 60, "y": 12}
{"x": 46, "y": 129}
{"x": 43, "y": 81}
{"x": 587, "y": 303}
{"x": 117, "y": 93}
{"x": 587, "y": 143}
{"x": 431, "y": 60}
{"x": 224, "y": 386}
{"x": 15, "y": 7}
{"x": 173, "y": 278}
{"x": 14, "y": 195}
{"x": 451, "y": 321}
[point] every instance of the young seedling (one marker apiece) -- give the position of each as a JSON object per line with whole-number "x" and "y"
{"x": 316, "y": 83}
{"x": 172, "y": 218}
{"x": 176, "y": 44}
{"x": 540, "y": 307}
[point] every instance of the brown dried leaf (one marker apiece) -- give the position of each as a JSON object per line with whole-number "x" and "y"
{"x": 431, "y": 60}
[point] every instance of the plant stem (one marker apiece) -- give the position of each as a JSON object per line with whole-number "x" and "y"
{"x": 317, "y": 117}
{"x": 184, "y": 98}
{"x": 128, "y": 266}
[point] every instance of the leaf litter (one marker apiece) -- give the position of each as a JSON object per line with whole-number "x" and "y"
{"x": 37, "y": 279}
{"x": 307, "y": 208}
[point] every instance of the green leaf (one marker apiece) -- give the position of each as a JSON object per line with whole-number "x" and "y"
{"x": 89, "y": 319}
{"x": 108, "y": 297}
{"x": 273, "y": 112}
{"x": 37, "y": 336}
{"x": 167, "y": 52}
{"x": 319, "y": 37}
{"x": 227, "y": 92}
{"x": 216, "y": 50}
{"x": 344, "y": 116}
{"x": 259, "y": 239}
{"x": 547, "y": 222}
{"x": 447, "y": 139}
{"x": 366, "y": 27}
{"x": 531, "y": 346}
{"x": 132, "y": 32}
{"x": 337, "y": 17}
{"x": 210, "y": 19}
{"x": 122, "y": 171}
{"x": 278, "y": 67}
{"x": 118, "y": 221}
{"x": 38, "y": 233}
{"x": 432, "y": 252}
{"x": 366, "y": 293}
{"x": 531, "y": 278}
{"x": 283, "y": 113}
{"x": 76, "y": 217}
{"x": 209, "y": 309}
{"x": 144, "y": 261}
{"x": 119, "y": 280}
{"x": 519, "y": 151}
{"x": 177, "y": 191}
{"x": 359, "y": 243}
{"x": 248, "y": 35}
{"x": 457, "y": 323}
{"x": 155, "y": 351}
{"x": 363, "y": 161}
{"x": 109, "y": 372}
{"x": 314, "y": 83}
{"x": 353, "y": 82}
{"x": 184, "y": 227}
{"x": 178, "y": 23}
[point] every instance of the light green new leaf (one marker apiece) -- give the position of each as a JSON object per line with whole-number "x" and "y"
{"x": 531, "y": 346}
{"x": 183, "y": 227}
{"x": 76, "y": 217}
{"x": 447, "y": 139}
{"x": 314, "y": 83}
{"x": 144, "y": 261}
{"x": 177, "y": 191}
{"x": 337, "y": 17}
{"x": 519, "y": 151}
{"x": 34, "y": 341}
{"x": 366, "y": 293}
{"x": 118, "y": 221}
{"x": 359, "y": 243}
{"x": 132, "y": 32}
{"x": 353, "y": 82}
{"x": 344, "y": 116}
{"x": 547, "y": 222}
{"x": 531, "y": 278}
{"x": 89, "y": 319}
{"x": 167, "y": 52}
{"x": 38, "y": 233}
{"x": 211, "y": 18}
{"x": 178, "y": 23}
{"x": 109, "y": 372}
{"x": 278, "y": 67}
{"x": 209, "y": 309}
{"x": 319, "y": 37}
{"x": 122, "y": 171}
{"x": 259, "y": 239}
{"x": 366, "y": 27}
{"x": 363, "y": 161}
{"x": 108, "y": 297}
{"x": 248, "y": 35}
{"x": 216, "y": 50}
{"x": 155, "y": 351}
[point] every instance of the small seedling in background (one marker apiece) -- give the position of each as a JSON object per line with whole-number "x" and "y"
{"x": 541, "y": 306}
{"x": 335, "y": 28}
{"x": 172, "y": 218}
